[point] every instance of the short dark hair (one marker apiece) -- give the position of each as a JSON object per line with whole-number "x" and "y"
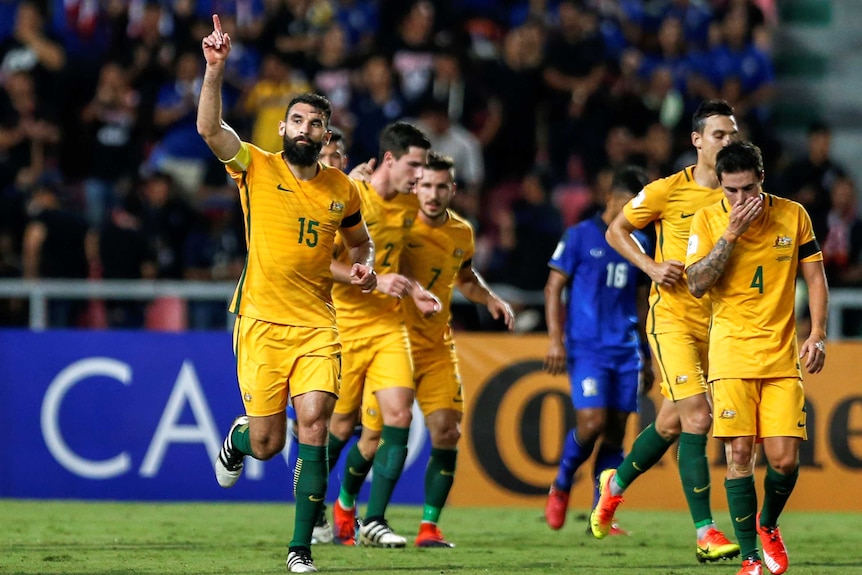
{"x": 629, "y": 178}
{"x": 818, "y": 127}
{"x": 440, "y": 162}
{"x": 738, "y": 157}
{"x": 321, "y": 103}
{"x": 707, "y": 109}
{"x": 399, "y": 137}
{"x": 336, "y": 136}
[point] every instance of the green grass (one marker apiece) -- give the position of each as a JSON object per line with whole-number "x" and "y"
{"x": 73, "y": 538}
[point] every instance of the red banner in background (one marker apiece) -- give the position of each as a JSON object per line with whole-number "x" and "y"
{"x": 516, "y": 416}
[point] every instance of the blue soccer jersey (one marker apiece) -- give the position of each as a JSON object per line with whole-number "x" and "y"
{"x": 602, "y": 309}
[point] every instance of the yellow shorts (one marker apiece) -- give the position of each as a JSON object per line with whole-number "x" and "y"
{"x": 371, "y": 364}
{"x": 274, "y": 361}
{"x": 682, "y": 359}
{"x": 759, "y": 407}
{"x": 438, "y": 381}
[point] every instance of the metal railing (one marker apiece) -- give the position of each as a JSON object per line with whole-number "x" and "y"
{"x": 38, "y": 292}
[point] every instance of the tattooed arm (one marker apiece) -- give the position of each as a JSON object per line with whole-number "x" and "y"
{"x": 703, "y": 273}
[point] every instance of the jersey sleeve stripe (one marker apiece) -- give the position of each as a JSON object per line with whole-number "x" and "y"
{"x": 808, "y": 249}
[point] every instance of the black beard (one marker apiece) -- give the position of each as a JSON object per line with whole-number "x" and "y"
{"x": 305, "y": 155}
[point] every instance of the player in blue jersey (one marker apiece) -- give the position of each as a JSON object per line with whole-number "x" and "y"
{"x": 601, "y": 341}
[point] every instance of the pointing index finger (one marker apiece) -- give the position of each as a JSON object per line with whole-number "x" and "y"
{"x": 217, "y": 23}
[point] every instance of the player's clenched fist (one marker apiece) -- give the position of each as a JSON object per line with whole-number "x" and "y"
{"x": 216, "y": 46}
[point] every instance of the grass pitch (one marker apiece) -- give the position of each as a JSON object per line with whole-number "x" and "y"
{"x": 96, "y": 538}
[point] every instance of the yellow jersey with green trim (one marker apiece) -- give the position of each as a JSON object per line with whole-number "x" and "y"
{"x": 753, "y": 332}
{"x": 367, "y": 314}
{"x": 671, "y": 203}
{"x": 290, "y": 230}
{"x": 434, "y": 257}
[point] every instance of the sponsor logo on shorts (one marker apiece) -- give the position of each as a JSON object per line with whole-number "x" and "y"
{"x": 727, "y": 414}
{"x": 246, "y": 397}
{"x": 681, "y": 379}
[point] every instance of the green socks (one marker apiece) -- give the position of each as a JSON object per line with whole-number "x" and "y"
{"x": 309, "y": 489}
{"x": 694, "y": 474}
{"x": 776, "y": 491}
{"x": 742, "y": 502}
{"x": 439, "y": 476}
{"x": 241, "y": 440}
{"x": 648, "y": 449}
{"x": 388, "y": 465}
{"x": 336, "y": 446}
{"x": 356, "y": 469}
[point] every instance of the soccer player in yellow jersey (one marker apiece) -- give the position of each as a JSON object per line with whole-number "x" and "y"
{"x": 378, "y": 371}
{"x": 677, "y": 330}
{"x": 745, "y": 252}
{"x": 439, "y": 256}
{"x": 285, "y": 336}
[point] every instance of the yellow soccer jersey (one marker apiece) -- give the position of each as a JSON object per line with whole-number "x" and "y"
{"x": 290, "y": 229}
{"x": 434, "y": 257}
{"x": 753, "y": 333}
{"x": 671, "y": 202}
{"x": 388, "y": 222}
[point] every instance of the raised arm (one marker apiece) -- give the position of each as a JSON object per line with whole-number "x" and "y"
{"x": 220, "y": 137}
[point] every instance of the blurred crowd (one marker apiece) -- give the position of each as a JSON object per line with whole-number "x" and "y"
{"x": 103, "y": 175}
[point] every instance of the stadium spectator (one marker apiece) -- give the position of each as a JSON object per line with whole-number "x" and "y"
{"x": 842, "y": 248}
{"x": 412, "y": 51}
{"x": 124, "y": 253}
{"x": 331, "y": 70}
{"x": 33, "y": 49}
{"x": 110, "y": 122}
{"x": 29, "y": 132}
{"x": 377, "y": 104}
{"x": 167, "y": 219}
{"x": 809, "y": 178}
{"x": 518, "y": 65}
{"x": 454, "y": 140}
{"x": 54, "y": 247}
{"x": 574, "y": 72}
{"x": 179, "y": 150}
{"x": 277, "y": 84}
